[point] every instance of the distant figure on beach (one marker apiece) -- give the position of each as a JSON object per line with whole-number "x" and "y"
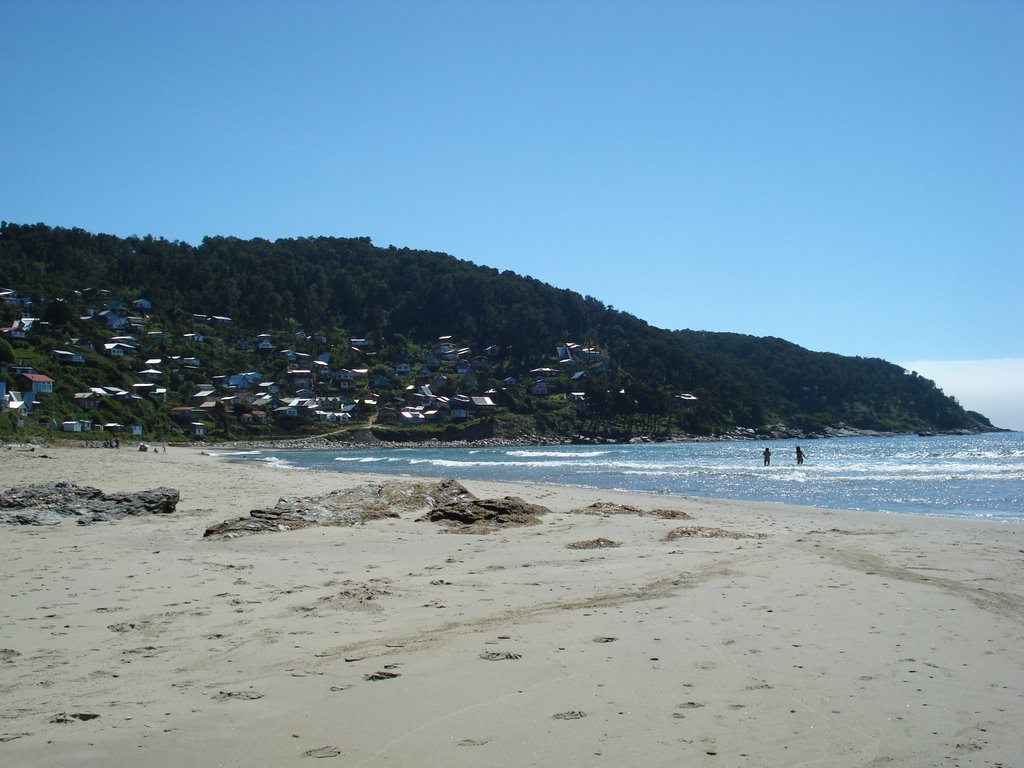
{"x": 767, "y": 457}
{"x": 799, "y": 455}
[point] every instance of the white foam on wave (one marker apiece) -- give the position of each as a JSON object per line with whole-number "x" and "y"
{"x": 279, "y": 463}
{"x": 556, "y": 454}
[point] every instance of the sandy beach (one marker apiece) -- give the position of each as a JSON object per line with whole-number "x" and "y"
{"x": 791, "y": 636}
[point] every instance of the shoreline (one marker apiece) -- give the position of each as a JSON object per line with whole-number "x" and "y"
{"x": 818, "y": 636}
{"x": 811, "y": 500}
{"x": 367, "y": 440}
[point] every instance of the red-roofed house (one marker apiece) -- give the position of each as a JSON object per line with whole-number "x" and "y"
{"x": 36, "y": 383}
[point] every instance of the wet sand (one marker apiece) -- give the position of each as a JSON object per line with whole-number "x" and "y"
{"x": 794, "y": 636}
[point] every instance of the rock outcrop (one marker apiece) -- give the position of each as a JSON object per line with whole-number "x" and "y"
{"x": 50, "y": 503}
{"x": 353, "y": 506}
{"x": 472, "y": 515}
{"x": 446, "y": 502}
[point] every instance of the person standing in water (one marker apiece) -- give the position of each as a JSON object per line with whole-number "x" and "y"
{"x": 799, "y": 455}
{"x": 767, "y": 457}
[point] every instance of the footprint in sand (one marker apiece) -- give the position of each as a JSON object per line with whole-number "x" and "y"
{"x": 67, "y": 717}
{"x": 328, "y": 751}
{"x": 381, "y": 676}
{"x": 242, "y": 695}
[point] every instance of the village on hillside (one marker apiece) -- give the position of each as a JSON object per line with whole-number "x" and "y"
{"x": 296, "y": 380}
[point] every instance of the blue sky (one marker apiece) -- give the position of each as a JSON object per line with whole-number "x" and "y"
{"x": 847, "y": 176}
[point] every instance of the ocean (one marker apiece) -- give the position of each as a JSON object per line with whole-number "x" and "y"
{"x": 976, "y": 476}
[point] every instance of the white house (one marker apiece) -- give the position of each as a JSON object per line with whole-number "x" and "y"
{"x": 64, "y": 357}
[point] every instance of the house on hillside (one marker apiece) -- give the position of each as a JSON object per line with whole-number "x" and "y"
{"x": 121, "y": 395}
{"x": 254, "y": 417}
{"x": 65, "y": 357}
{"x": 86, "y": 400}
{"x": 76, "y": 425}
{"x": 540, "y": 388}
{"x": 117, "y": 349}
{"x": 460, "y": 407}
{"x": 483, "y": 404}
{"x": 152, "y": 391}
{"x": 114, "y": 319}
{"x": 346, "y": 378}
{"x": 35, "y": 383}
{"x": 14, "y": 405}
{"x": 409, "y": 417}
{"x": 182, "y": 413}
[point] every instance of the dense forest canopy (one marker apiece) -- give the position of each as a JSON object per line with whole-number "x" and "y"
{"x": 398, "y": 298}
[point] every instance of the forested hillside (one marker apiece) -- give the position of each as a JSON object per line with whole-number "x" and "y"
{"x": 316, "y": 294}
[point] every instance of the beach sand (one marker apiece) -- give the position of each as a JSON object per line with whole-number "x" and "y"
{"x": 812, "y": 638}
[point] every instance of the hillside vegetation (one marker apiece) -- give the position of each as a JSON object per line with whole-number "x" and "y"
{"x": 378, "y": 333}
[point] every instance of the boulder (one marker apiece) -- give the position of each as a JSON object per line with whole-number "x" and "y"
{"x": 472, "y": 515}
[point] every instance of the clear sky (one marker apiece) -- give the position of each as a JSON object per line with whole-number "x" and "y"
{"x": 847, "y": 176}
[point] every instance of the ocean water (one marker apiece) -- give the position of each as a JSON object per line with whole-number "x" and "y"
{"x": 977, "y": 476}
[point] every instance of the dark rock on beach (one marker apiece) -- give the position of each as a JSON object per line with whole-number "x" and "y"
{"x": 50, "y": 503}
{"x": 446, "y": 502}
{"x": 476, "y": 515}
{"x": 353, "y": 506}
